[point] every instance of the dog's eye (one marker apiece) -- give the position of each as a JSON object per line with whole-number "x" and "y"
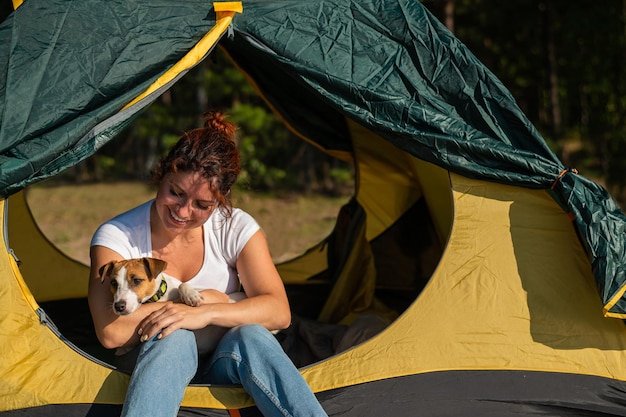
{"x": 114, "y": 284}
{"x": 137, "y": 281}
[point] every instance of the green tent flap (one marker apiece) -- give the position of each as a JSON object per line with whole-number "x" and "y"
{"x": 68, "y": 68}
{"x": 418, "y": 87}
{"x": 421, "y": 89}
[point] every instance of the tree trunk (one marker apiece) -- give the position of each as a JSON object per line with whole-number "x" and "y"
{"x": 449, "y": 13}
{"x": 551, "y": 62}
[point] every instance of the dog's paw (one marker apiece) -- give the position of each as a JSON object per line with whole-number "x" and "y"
{"x": 189, "y": 296}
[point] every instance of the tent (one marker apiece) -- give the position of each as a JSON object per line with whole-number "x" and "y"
{"x": 498, "y": 273}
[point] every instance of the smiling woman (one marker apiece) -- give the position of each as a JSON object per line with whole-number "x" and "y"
{"x": 215, "y": 249}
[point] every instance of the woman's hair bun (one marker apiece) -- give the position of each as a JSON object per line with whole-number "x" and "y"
{"x": 216, "y": 121}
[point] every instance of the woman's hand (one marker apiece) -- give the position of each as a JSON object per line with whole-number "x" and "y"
{"x": 171, "y": 317}
{"x": 174, "y": 316}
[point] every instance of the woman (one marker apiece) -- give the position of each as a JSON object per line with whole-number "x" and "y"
{"x": 192, "y": 226}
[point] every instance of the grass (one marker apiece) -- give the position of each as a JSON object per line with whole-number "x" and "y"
{"x": 69, "y": 214}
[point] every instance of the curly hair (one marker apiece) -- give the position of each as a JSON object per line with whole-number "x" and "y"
{"x": 211, "y": 151}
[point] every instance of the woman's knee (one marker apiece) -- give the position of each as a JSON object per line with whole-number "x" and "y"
{"x": 180, "y": 344}
{"x": 174, "y": 356}
{"x": 240, "y": 352}
{"x": 248, "y": 337}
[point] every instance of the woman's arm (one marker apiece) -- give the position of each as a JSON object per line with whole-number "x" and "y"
{"x": 266, "y": 303}
{"x": 113, "y": 331}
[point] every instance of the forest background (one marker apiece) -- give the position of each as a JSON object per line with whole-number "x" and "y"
{"x": 564, "y": 62}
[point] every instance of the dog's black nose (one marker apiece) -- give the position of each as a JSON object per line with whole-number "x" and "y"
{"x": 120, "y": 306}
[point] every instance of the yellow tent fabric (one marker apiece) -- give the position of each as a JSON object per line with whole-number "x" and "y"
{"x": 513, "y": 291}
{"x": 37, "y": 367}
{"x": 38, "y": 257}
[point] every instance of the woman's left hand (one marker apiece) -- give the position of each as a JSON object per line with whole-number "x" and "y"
{"x": 171, "y": 317}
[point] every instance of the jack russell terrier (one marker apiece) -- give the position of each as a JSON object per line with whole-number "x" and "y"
{"x": 142, "y": 280}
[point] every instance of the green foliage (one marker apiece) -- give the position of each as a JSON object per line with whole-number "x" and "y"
{"x": 264, "y": 146}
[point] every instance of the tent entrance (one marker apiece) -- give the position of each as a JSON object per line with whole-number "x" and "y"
{"x": 363, "y": 283}
{"x": 386, "y": 244}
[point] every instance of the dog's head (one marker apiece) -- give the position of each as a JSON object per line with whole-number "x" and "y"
{"x": 133, "y": 281}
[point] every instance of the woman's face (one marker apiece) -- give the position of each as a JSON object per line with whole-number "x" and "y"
{"x": 184, "y": 201}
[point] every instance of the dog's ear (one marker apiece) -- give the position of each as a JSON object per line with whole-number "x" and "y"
{"x": 104, "y": 270}
{"x": 154, "y": 266}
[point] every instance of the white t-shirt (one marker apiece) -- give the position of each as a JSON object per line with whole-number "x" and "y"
{"x": 224, "y": 238}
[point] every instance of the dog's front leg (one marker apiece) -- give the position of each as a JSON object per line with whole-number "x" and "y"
{"x": 189, "y": 295}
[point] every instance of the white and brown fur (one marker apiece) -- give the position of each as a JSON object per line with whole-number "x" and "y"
{"x": 137, "y": 281}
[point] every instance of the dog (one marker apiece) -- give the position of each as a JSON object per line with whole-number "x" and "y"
{"x": 142, "y": 280}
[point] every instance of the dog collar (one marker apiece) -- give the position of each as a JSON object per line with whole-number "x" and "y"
{"x": 160, "y": 292}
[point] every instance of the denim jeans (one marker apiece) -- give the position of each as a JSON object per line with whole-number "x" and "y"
{"x": 247, "y": 355}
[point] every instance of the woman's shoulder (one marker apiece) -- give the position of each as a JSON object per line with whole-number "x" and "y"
{"x": 238, "y": 223}
{"x": 236, "y": 216}
{"x": 240, "y": 215}
{"x": 230, "y": 233}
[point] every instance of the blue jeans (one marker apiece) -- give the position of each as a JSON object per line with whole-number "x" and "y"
{"x": 247, "y": 355}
